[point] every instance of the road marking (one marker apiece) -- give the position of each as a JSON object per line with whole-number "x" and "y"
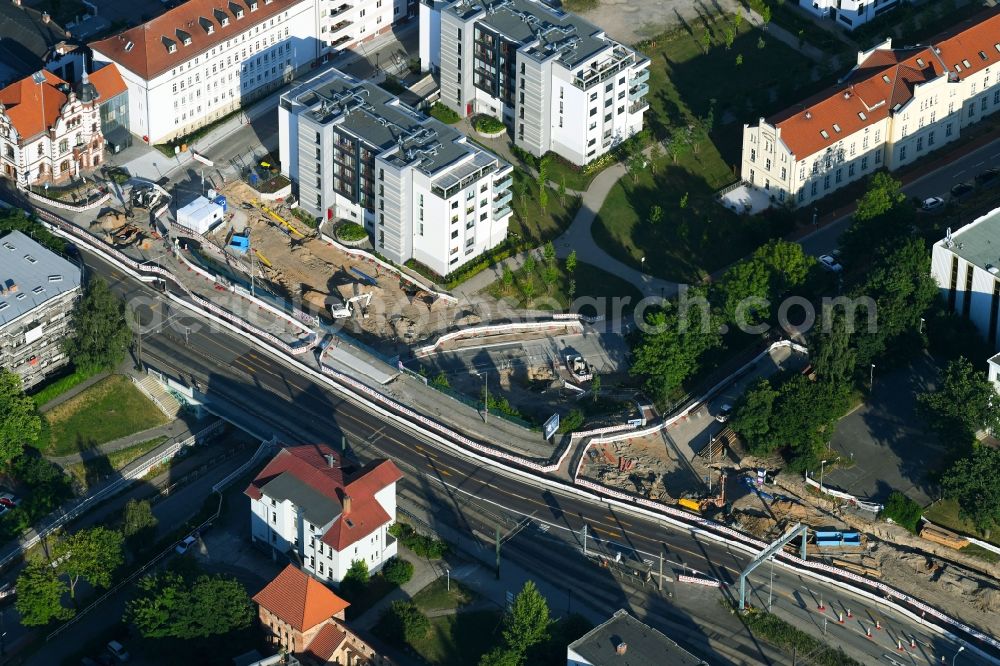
{"x": 444, "y": 471}
{"x": 959, "y": 173}
{"x": 979, "y": 164}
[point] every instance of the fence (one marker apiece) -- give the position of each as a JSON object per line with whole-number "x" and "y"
{"x": 826, "y": 490}
{"x": 264, "y": 447}
{"x": 498, "y": 329}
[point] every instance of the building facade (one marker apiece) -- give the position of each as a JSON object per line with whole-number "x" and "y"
{"x": 305, "y": 506}
{"x": 38, "y": 290}
{"x": 849, "y": 14}
{"x": 421, "y": 189}
{"x": 302, "y": 617}
{"x": 203, "y": 59}
{"x": 113, "y": 101}
{"x": 49, "y": 130}
{"x": 557, "y": 81}
{"x": 966, "y": 267}
{"x": 346, "y": 24}
{"x": 893, "y": 108}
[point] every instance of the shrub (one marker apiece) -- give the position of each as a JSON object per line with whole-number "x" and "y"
{"x": 444, "y": 114}
{"x": 355, "y": 580}
{"x": 432, "y": 549}
{"x": 402, "y": 622}
{"x": 351, "y": 232}
{"x": 397, "y": 571}
{"x": 488, "y": 125}
{"x": 571, "y": 421}
{"x": 903, "y": 511}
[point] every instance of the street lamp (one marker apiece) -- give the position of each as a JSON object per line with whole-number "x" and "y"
{"x": 871, "y": 376}
{"x": 447, "y": 573}
{"x": 822, "y": 465}
{"x": 960, "y": 648}
{"x": 921, "y": 329}
{"x": 486, "y": 395}
{"x": 642, "y": 264}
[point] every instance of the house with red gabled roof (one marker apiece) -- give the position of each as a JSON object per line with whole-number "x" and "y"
{"x": 303, "y": 617}
{"x": 895, "y": 106}
{"x": 307, "y": 505}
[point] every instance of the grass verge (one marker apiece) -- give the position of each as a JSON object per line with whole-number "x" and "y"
{"x": 110, "y": 409}
{"x": 91, "y": 471}
{"x": 945, "y": 513}
{"x": 549, "y": 286}
{"x": 57, "y": 387}
{"x": 780, "y": 633}
{"x": 437, "y": 596}
{"x": 459, "y": 640}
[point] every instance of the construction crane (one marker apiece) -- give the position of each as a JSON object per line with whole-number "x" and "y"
{"x": 280, "y": 220}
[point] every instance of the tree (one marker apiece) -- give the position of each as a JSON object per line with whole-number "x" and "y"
{"x": 39, "y": 595}
{"x": 101, "y": 334}
{"x": 355, "y": 580}
{"x": 738, "y": 20}
{"x": 402, "y": 622}
{"x": 636, "y": 163}
{"x": 974, "y": 483}
{"x": 964, "y": 403}
{"x": 397, "y": 571}
{"x": 765, "y": 15}
{"x": 507, "y": 279}
{"x": 550, "y": 276}
{"x": 595, "y": 388}
{"x": 761, "y": 43}
{"x": 543, "y": 182}
{"x": 15, "y": 219}
{"x": 745, "y": 288}
{"x": 529, "y": 264}
{"x": 669, "y": 348}
{"x": 19, "y": 420}
{"x": 903, "y": 511}
{"x": 883, "y": 194}
{"x": 752, "y": 417}
{"x": 139, "y": 520}
{"x": 571, "y": 262}
{"x": 786, "y": 263}
{"x": 729, "y": 36}
{"x": 655, "y": 214}
{"x": 500, "y": 656}
{"x": 170, "y": 606}
{"x": 683, "y": 203}
{"x": 528, "y": 291}
{"x": 92, "y": 554}
{"x": 655, "y": 155}
{"x": 549, "y": 251}
{"x": 833, "y": 355}
{"x": 706, "y": 40}
{"x": 739, "y": 59}
{"x": 527, "y": 622}
{"x": 562, "y": 191}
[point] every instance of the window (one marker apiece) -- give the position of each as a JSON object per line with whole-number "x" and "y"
{"x": 840, "y": 173}
{"x": 947, "y": 129}
{"x": 850, "y": 170}
{"x": 767, "y": 164}
{"x": 63, "y": 146}
{"x": 826, "y": 182}
{"x": 920, "y": 143}
{"x": 902, "y": 153}
{"x": 930, "y": 139}
{"x": 784, "y": 173}
{"x": 753, "y": 155}
{"x": 878, "y": 156}
{"x": 813, "y": 188}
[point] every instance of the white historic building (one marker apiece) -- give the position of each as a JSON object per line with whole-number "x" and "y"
{"x": 205, "y": 58}
{"x": 304, "y": 505}
{"x": 893, "y": 108}
{"x": 558, "y": 81}
{"x": 346, "y": 24}
{"x": 421, "y": 189}
{"x": 849, "y": 14}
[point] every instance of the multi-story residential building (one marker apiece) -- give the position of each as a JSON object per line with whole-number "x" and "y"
{"x": 204, "y": 58}
{"x": 50, "y": 130}
{"x": 421, "y": 188}
{"x": 38, "y": 289}
{"x": 346, "y": 24}
{"x": 625, "y": 641}
{"x": 558, "y": 81}
{"x": 305, "y": 618}
{"x": 893, "y": 108}
{"x": 305, "y": 505}
{"x": 966, "y": 267}
{"x": 849, "y": 13}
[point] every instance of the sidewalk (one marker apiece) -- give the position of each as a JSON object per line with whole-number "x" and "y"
{"x": 174, "y": 431}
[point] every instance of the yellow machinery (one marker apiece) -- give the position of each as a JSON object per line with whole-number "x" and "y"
{"x": 691, "y": 504}
{"x": 262, "y": 258}
{"x": 280, "y": 220}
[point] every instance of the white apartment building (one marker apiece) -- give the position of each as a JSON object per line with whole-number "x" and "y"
{"x": 305, "y": 506}
{"x": 421, "y": 189}
{"x": 38, "y": 290}
{"x": 893, "y": 108}
{"x": 205, "y": 58}
{"x": 346, "y": 24}
{"x": 558, "y": 81}
{"x": 849, "y": 14}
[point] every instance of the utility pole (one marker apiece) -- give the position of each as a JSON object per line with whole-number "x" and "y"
{"x": 661, "y": 572}
{"x": 498, "y": 552}
{"x": 585, "y": 539}
{"x": 770, "y": 587}
{"x": 138, "y": 340}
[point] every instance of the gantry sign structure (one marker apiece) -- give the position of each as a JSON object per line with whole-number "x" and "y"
{"x": 768, "y": 553}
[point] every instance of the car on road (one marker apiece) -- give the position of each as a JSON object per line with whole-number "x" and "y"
{"x": 118, "y": 651}
{"x": 932, "y": 203}
{"x": 724, "y": 413}
{"x": 988, "y": 178}
{"x": 8, "y": 500}
{"x": 830, "y": 263}
{"x": 961, "y": 190}
{"x": 185, "y": 544}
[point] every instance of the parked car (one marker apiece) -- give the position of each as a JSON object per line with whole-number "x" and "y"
{"x": 724, "y": 413}
{"x": 185, "y": 544}
{"x": 961, "y": 190}
{"x": 7, "y": 593}
{"x": 830, "y": 263}
{"x": 932, "y": 203}
{"x": 9, "y": 500}
{"x": 988, "y": 178}
{"x": 118, "y": 651}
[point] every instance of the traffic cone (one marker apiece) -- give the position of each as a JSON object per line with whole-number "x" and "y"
{"x": 899, "y": 645}
{"x": 849, "y": 616}
{"x": 821, "y": 608}
{"x": 868, "y": 632}
{"x": 840, "y": 618}
{"x": 913, "y": 643}
{"x": 878, "y": 625}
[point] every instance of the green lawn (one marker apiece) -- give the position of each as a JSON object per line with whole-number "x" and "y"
{"x": 110, "y": 409}
{"x": 376, "y": 588}
{"x": 532, "y": 224}
{"x": 459, "y": 640}
{"x": 945, "y": 513}
{"x": 437, "y": 596}
{"x": 95, "y": 468}
{"x": 591, "y": 282}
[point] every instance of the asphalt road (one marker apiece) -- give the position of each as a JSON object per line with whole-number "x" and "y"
{"x": 304, "y": 411}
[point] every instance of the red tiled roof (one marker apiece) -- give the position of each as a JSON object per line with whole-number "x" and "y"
{"x": 883, "y": 81}
{"x": 25, "y": 101}
{"x": 108, "y": 81}
{"x": 325, "y": 643}
{"x": 299, "y": 599}
{"x": 373, "y": 478}
{"x": 365, "y": 517}
{"x": 149, "y": 56}
{"x": 308, "y": 464}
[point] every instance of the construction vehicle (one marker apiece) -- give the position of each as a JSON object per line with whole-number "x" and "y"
{"x": 719, "y": 500}
{"x": 693, "y": 505}
{"x": 358, "y": 303}
{"x": 145, "y": 197}
{"x": 579, "y": 368}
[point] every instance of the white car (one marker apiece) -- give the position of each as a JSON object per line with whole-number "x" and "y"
{"x": 932, "y": 203}
{"x": 724, "y": 413}
{"x": 185, "y": 544}
{"x": 830, "y": 263}
{"x": 118, "y": 651}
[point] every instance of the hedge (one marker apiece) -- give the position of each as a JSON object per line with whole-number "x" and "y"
{"x": 351, "y": 231}
{"x": 488, "y": 125}
{"x": 444, "y": 114}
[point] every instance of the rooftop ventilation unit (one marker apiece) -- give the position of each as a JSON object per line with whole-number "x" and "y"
{"x": 809, "y": 115}
{"x": 992, "y": 270}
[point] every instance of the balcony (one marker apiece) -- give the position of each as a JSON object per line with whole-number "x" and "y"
{"x": 504, "y": 183}
{"x": 340, "y": 10}
{"x": 639, "y": 106}
{"x": 340, "y": 40}
{"x": 504, "y": 198}
{"x": 641, "y": 77}
{"x": 502, "y": 212}
{"x": 638, "y": 91}
{"x": 340, "y": 26}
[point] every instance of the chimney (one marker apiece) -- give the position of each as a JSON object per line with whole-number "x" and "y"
{"x": 330, "y": 459}
{"x": 621, "y": 648}
{"x": 45, "y": 17}
{"x": 347, "y": 504}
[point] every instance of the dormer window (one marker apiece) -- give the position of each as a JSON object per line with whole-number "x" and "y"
{"x": 129, "y": 46}
{"x": 982, "y": 54}
{"x": 225, "y": 21}
{"x": 966, "y": 63}
{"x": 861, "y": 114}
{"x": 184, "y": 37}
{"x": 170, "y": 45}
{"x": 206, "y": 25}
{"x": 236, "y": 10}
{"x": 221, "y": 17}
{"x": 824, "y": 134}
{"x": 836, "y": 128}
{"x": 252, "y": 4}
